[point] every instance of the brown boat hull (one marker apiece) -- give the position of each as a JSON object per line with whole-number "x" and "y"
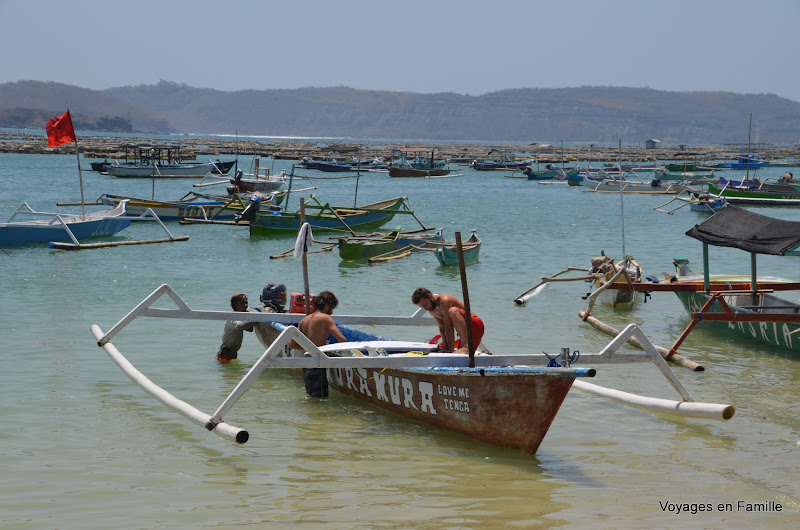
{"x": 493, "y": 406}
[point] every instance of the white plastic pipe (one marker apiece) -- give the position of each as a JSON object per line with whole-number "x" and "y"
{"x": 224, "y": 430}
{"x": 689, "y": 409}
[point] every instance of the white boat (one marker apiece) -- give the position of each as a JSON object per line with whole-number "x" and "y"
{"x": 164, "y": 161}
{"x": 27, "y": 225}
{"x": 506, "y": 400}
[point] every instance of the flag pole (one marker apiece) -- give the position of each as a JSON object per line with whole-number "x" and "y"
{"x": 80, "y": 174}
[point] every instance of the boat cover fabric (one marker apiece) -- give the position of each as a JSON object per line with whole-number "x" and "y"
{"x": 743, "y": 229}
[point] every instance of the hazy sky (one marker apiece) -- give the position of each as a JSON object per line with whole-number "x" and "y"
{"x": 462, "y": 46}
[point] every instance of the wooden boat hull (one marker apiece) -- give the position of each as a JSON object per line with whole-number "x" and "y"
{"x": 363, "y": 218}
{"x": 352, "y": 250}
{"x": 448, "y": 255}
{"x": 739, "y": 195}
{"x": 496, "y": 406}
{"x": 172, "y": 171}
{"x": 410, "y": 172}
{"x": 96, "y": 224}
{"x": 177, "y": 210}
{"x": 781, "y": 335}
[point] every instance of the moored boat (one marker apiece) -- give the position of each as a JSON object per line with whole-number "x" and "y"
{"x": 738, "y": 304}
{"x": 447, "y": 254}
{"x": 417, "y": 162}
{"x": 504, "y": 400}
{"x": 326, "y": 217}
{"x": 43, "y": 227}
{"x": 165, "y": 161}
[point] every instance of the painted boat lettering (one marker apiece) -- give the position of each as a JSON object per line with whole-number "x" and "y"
{"x": 103, "y": 228}
{"x": 779, "y": 334}
{"x": 400, "y": 391}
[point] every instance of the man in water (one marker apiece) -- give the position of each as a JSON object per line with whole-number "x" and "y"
{"x": 318, "y": 326}
{"x": 234, "y": 330}
{"x": 449, "y": 313}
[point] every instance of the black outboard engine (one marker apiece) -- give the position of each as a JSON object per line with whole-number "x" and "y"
{"x": 249, "y": 213}
{"x": 274, "y": 297}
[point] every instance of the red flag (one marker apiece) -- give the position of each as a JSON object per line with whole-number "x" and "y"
{"x": 60, "y": 131}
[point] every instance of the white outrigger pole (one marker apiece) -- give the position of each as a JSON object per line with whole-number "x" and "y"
{"x": 316, "y": 357}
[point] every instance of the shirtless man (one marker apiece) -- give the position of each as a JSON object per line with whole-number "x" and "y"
{"x": 319, "y": 325}
{"x": 449, "y": 313}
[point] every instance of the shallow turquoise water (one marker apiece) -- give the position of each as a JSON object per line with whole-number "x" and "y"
{"x": 83, "y": 447}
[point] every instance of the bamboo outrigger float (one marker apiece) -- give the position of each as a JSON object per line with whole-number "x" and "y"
{"x": 506, "y": 400}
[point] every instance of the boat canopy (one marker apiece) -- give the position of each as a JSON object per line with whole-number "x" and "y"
{"x": 752, "y": 232}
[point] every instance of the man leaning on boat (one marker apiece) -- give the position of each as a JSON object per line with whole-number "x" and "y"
{"x": 450, "y": 315}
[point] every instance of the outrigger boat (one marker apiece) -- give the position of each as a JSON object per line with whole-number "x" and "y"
{"x": 505, "y": 400}
{"x": 324, "y": 217}
{"x": 416, "y": 162}
{"x": 602, "y": 274}
{"x": 736, "y": 303}
{"x": 447, "y": 254}
{"x": 378, "y": 244}
{"x": 27, "y": 225}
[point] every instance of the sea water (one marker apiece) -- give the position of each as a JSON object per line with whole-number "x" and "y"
{"x": 83, "y": 447}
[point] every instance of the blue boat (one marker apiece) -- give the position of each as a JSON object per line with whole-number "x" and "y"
{"x": 43, "y": 227}
{"x": 745, "y": 162}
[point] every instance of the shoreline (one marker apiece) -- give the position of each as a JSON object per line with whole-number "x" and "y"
{"x": 290, "y": 149}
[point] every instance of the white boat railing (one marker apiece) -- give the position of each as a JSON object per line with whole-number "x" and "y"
{"x": 314, "y": 357}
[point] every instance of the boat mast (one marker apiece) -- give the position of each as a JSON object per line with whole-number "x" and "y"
{"x": 749, "y": 130}
{"x": 621, "y": 202}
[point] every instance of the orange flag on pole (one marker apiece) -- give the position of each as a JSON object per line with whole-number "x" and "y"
{"x": 59, "y": 130}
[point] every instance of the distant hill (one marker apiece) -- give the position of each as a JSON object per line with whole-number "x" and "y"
{"x": 584, "y": 114}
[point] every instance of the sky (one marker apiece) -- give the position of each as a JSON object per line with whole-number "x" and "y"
{"x": 463, "y": 46}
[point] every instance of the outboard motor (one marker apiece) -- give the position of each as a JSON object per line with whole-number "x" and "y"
{"x": 274, "y": 297}
{"x": 249, "y": 213}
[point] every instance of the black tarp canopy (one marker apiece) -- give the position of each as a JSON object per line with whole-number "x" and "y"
{"x": 743, "y": 229}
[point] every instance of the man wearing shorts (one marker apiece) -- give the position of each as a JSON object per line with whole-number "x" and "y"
{"x": 450, "y": 316}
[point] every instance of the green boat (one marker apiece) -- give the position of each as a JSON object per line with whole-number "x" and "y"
{"x": 448, "y": 254}
{"x": 324, "y": 217}
{"x": 357, "y": 248}
{"x": 756, "y": 192}
{"x": 753, "y": 313}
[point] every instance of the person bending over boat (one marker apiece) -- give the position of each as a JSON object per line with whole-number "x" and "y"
{"x": 450, "y": 315}
{"x": 234, "y": 330}
{"x": 318, "y": 326}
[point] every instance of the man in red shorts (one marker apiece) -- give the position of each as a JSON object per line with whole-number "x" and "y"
{"x": 448, "y": 311}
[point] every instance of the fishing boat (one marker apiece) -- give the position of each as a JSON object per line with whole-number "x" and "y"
{"x": 356, "y": 248}
{"x": 737, "y": 304}
{"x": 744, "y": 162}
{"x": 27, "y": 225}
{"x": 753, "y": 191}
{"x": 447, "y": 254}
{"x": 417, "y": 162}
{"x": 376, "y": 244}
{"x": 503, "y": 160}
{"x": 697, "y": 201}
{"x": 504, "y": 400}
{"x": 322, "y": 217}
{"x": 193, "y": 205}
{"x": 654, "y": 187}
{"x": 602, "y": 273}
{"x": 165, "y": 161}
{"x": 550, "y": 173}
